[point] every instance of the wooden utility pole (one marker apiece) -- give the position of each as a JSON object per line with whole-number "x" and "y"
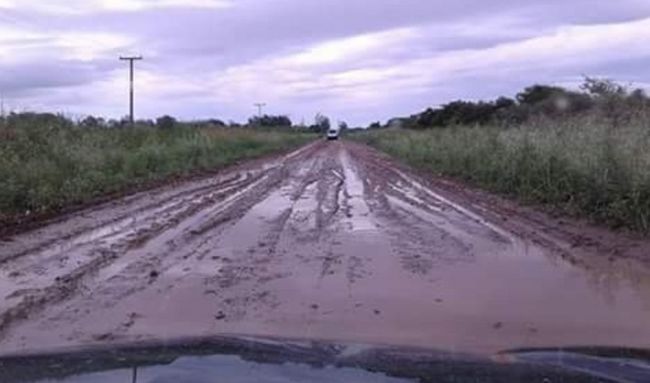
{"x": 259, "y": 106}
{"x": 131, "y": 59}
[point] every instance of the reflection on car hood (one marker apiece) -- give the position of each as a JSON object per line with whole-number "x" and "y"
{"x": 244, "y": 359}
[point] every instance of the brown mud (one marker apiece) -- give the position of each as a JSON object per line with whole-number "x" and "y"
{"x": 334, "y": 241}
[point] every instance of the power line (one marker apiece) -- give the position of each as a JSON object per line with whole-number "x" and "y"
{"x": 131, "y": 59}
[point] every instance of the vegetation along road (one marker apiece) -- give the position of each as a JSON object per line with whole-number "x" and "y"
{"x": 335, "y": 241}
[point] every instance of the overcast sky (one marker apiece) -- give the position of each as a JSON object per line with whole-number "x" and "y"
{"x": 355, "y": 60}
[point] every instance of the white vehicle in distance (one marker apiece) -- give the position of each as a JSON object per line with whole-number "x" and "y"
{"x": 333, "y": 134}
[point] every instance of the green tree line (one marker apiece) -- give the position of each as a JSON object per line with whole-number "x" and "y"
{"x": 613, "y": 101}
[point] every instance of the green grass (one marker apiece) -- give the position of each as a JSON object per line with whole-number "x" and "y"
{"x": 46, "y": 168}
{"x": 584, "y": 166}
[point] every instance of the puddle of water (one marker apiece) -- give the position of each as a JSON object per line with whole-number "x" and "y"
{"x": 533, "y": 301}
{"x": 535, "y": 297}
{"x": 116, "y": 231}
{"x": 53, "y": 259}
{"x": 219, "y": 206}
{"x": 469, "y": 232}
{"x": 304, "y": 211}
{"x": 412, "y": 195}
{"x": 458, "y": 207}
{"x": 160, "y": 243}
{"x": 360, "y": 218}
{"x": 248, "y": 231}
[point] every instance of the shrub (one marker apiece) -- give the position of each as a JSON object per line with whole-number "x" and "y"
{"x": 165, "y": 122}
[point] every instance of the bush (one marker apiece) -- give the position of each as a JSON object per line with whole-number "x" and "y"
{"x": 165, "y": 122}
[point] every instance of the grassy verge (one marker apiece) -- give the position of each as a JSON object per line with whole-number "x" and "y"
{"x": 46, "y": 168}
{"x": 585, "y": 166}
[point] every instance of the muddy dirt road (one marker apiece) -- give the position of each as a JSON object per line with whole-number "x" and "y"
{"x": 333, "y": 241}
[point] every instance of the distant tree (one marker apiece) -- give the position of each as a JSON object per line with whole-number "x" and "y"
{"x": 124, "y": 122}
{"x": 270, "y": 121}
{"x": 610, "y": 99}
{"x": 28, "y": 119}
{"x": 504, "y": 103}
{"x": 553, "y": 100}
{"x": 638, "y": 98}
{"x": 216, "y": 122}
{"x": 165, "y": 122}
{"x": 603, "y": 88}
{"x": 145, "y": 122}
{"x": 375, "y": 125}
{"x": 90, "y": 122}
{"x": 639, "y": 94}
{"x": 113, "y": 123}
{"x": 322, "y": 123}
{"x": 538, "y": 93}
{"x": 614, "y": 101}
{"x": 397, "y": 122}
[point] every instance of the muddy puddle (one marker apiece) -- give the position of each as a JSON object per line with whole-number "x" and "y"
{"x": 329, "y": 242}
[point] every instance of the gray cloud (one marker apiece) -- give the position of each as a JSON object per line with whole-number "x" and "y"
{"x": 32, "y": 77}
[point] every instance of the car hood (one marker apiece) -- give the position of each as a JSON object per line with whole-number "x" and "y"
{"x": 255, "y": 359}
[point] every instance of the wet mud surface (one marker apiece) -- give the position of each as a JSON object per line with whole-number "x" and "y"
{"x": 333, "y": 241}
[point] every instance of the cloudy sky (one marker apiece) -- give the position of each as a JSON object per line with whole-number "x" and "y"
{"x": 355, "y": 60}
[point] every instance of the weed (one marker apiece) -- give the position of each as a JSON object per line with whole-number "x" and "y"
{"x": 45, "y": 167}
{"x": 583, "y": 165}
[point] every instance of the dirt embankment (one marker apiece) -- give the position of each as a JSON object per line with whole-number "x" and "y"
{"x": 332, "y": 241}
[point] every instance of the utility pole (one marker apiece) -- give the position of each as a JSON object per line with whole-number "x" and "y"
{"x": 259, "y": 106}
{"x": 131, "y": 59}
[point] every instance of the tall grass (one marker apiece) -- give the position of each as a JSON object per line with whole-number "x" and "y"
{"x": 45, "y": 168}
{"x": 585, "y": 165}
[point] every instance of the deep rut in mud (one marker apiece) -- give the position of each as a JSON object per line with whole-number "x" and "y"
{"x": 332, "y": 241}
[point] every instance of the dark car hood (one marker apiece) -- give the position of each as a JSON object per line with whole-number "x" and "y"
{"x": 247, "y": 359}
